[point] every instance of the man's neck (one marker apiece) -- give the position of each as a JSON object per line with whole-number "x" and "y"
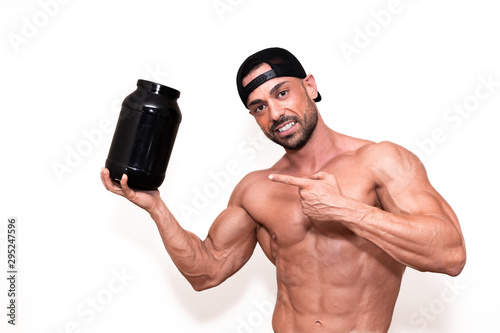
{"x": 322, "y": 147}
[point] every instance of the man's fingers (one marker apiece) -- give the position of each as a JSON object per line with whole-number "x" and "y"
{"x": 103, "y": 177}
{"x": 290, "y": 180}
{"x": 127, "y": 191}
{"x": 319, "y": 175}
{"x": 329, "y": 178}
{"x": 109, "y": 184}
{"x": 106, "y": 180}
{"x": 302, "y": 183}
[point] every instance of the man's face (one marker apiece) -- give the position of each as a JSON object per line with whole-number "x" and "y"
{"x": 283, "y": 108}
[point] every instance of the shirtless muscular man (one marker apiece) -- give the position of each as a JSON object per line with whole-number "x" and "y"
{"x": 340, "y": 217}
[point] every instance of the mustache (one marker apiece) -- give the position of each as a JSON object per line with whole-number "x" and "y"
{"x": 283, "y": 119}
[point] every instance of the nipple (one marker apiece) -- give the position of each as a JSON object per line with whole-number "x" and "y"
{"x": 274, "y": 236}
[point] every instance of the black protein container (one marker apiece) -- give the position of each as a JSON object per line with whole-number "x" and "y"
{"x": 145, "y": 135}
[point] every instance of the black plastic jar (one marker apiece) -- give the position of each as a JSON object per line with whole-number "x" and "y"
{"x": 145, "y": 135}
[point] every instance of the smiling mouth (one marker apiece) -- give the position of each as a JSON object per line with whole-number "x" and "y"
{"x": 286, "y": 127}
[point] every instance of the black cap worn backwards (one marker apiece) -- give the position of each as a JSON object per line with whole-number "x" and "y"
{"x": 282, "y": 63}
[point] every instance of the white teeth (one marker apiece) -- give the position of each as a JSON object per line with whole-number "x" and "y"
{"x": 286, "y": 127}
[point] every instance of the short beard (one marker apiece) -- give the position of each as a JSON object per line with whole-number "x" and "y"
{"x": 296, "y": 140}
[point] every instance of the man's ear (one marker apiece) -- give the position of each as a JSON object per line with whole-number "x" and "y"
{"x": 310, "y": 86}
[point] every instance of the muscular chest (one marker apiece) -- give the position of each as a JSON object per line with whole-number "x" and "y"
{"x": 278, "y": 210}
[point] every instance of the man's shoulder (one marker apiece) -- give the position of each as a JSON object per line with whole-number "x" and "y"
{"x": 256, "y": 176}
{"x": 384, "y": 148}
{"x": 251, "y": 185}
{"x": 385, "y": 152}
{"x": 388, "y": 160}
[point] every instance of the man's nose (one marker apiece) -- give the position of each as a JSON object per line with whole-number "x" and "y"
{"x": 276, "y": 111}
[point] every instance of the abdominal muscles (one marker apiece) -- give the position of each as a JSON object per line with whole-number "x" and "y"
{"x": 328, "y": 283}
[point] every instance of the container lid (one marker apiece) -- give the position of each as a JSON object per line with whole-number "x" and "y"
{"x": 158, "y": 89}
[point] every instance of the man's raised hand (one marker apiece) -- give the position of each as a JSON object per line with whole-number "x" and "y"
{"x": 147, "y": 200}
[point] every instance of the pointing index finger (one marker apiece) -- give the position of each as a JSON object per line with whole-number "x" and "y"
{"x": 289, "y": 180}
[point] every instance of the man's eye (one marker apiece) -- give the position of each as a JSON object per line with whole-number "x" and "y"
{"x": 283, "y": 93}
{"x": 259, "y": 108}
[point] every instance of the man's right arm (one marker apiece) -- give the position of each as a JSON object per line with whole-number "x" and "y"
{"x": 229, "y": 245}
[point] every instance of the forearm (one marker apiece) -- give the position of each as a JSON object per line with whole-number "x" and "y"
{"x": 423, "y": 242}
{"x": 187, "y": 251}
{"x": 201, "y": 262}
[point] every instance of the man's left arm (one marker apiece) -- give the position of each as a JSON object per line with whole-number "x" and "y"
{"x": 415, "y": 226}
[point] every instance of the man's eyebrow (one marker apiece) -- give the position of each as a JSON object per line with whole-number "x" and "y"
{"x": 255, "y": 101}
{"x": 276, "y": 87}
{"x": 271, "y": 92}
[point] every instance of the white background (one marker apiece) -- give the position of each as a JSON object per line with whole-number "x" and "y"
{"x": 66, "y": 66}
